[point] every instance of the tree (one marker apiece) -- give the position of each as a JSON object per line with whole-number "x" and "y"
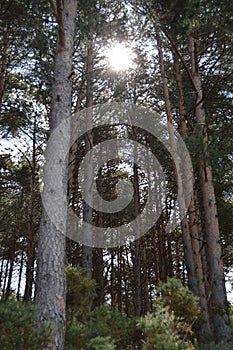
{"x": 217, "y": 290}
{"x": 50, "y": 284}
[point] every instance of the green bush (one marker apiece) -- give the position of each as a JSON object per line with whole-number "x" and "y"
{"x": 105, "y": 321}
{"x": 179, "y": 299}
{"x": 161, "y": 331}
{"x": 169, "y": 326}
{"x": 17, "y": 329}
{"x": 102, "y": 324}
{"x": 101, "y": 343}
{"x": 80, "y": 293}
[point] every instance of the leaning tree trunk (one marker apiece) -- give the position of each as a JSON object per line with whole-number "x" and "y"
{"x": 51, "y": 282}
{"x": 217, "y": 297}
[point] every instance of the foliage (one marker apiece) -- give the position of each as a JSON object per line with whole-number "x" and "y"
{"x": 26, "y": 55}
{"x": 105, "y": 321}
{"x": 17, "y": 328}
{"x": 101, "y": 343}
{"x": 80, "y": 293}
{"x": 92, "y": 328}
{"x": 160, "y": 331}
{"x": 102, "y": 324}
{"x": 169, "y": 326}
{"x": 179, "y": 299}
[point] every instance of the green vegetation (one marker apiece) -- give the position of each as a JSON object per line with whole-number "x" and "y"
{"x": 168, "y": 327}
{"x": 17, "y": 329}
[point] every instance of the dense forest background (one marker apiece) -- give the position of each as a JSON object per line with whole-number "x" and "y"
{"x": 165, "y": 290}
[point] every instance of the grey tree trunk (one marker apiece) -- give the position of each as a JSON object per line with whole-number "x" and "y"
{"x": 51, "y": 282}
{"x": 217, "y": 298}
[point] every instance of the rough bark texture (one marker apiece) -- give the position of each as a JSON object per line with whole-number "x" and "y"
{"x": 204, "y": 328}
{"x": 217, "y": 298}
{"x": 51, "y": 283}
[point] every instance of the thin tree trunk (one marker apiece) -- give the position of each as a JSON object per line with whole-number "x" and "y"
{"x": 98, "y": 270}
{"x": 13, "y": 246}
{"x": 5, "y": 280}
{"x": 3, "y": 70}
{"x": 162, "y": 263}
{"x": 10, "y": 273}
{"x": 217, "y": 299}
{"x": 119, "y": 279}
{"x": 188, "y": 252}
{"x": 2, "y": 265}
{"x": 193, "y": 219}
{"x": 127, "y": 278}
{"x": 51, "y": 282}
{"x": 112, "y": 280}
{"x": 137, "y": 278}
{"x": 145, "y": 280}
{"x": 87, "y": 210}
{"x": 20, "y": 275}
{"x": 30, "y": 233}
{"x": 136, "y": 257}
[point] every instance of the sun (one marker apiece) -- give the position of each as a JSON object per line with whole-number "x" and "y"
{"x": 120, "y": 57}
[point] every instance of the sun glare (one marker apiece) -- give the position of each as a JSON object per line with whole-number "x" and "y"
{"x": 120, "y": 57}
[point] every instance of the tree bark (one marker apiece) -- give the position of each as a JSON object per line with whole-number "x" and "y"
{"x": 193, "y": 219}
{"x": 51, "y": 282}
{"x": 217, "y": 298}
{"x": 188, "y": 252}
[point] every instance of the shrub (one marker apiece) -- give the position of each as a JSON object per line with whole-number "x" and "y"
{"x": 169, "y": 326}
{"x": 17, "y": 328}
{"x": 101, "y": 343}
{"x": 160, "y": 331}
{"x": 102, "y": 324}
{"x": 179, "y": 299}
{"x": 80, "y": 293}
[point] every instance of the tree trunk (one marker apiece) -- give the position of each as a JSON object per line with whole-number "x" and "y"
{"x": 3, "y": 70}
{"x": 98, "y": 270}
{"x": 51, "y": 282}
{"x": 30, "y": 233}
{"x": 188, "y": 252}
{"x": 137, "y": 278}
{"x": 145, "y": 280}
{"x": 119, "y": 279}
{"x": 20, "y": 275}
{"x": 13, "y": 246}
{"x": 217, "y": 298}
{"x": 112, "y": 280}
{"x": 136, "y": 256}
{"x": 193, "y": 219}
{"x": 87, "y": 210}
